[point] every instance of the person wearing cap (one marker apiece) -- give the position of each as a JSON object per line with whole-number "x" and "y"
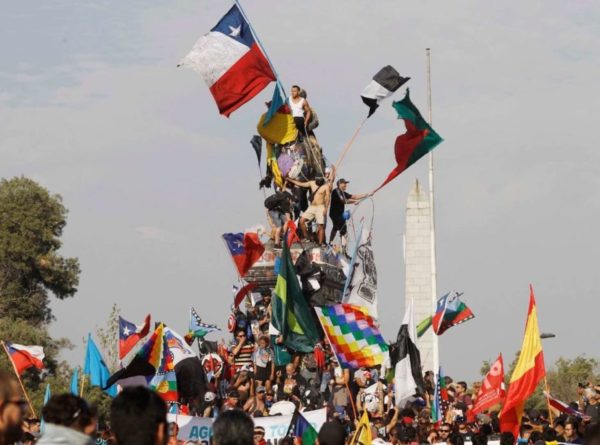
{"x": 232, "y": 401}
{"x": 208, "y": 406}
{"x": 259, "y": 435}
{"x": 257, "y": 403}
{"x": 339, "y": 199}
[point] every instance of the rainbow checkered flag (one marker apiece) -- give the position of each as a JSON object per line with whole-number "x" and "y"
{"x": 353, "y": 334}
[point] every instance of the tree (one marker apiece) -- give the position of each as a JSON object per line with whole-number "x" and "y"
{"x": 31, "y": 224}
{"x": 108, "y": 339}
{"x": 31, "y": 269}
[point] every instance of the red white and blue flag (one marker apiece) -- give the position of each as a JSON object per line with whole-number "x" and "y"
{"x": 130, "y": 335}
{"x": 24, "y": 357}
{"x": 230, "y": 62}
{"x": 245, "y": 249}
{"x": 563, "y": 407}
{"x": 449, "y": 312}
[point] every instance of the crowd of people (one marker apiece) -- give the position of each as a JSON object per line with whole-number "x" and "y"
{"x": 138, "y": 416}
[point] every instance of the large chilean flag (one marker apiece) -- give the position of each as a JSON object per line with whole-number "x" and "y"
{"x": 230, "y": 62}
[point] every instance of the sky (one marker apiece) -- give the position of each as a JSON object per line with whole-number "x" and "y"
{"x": 93, "y": 107}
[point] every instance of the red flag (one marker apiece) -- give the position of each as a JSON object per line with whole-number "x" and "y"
{"x": 24, "y": 357}
{"x": 245, "y": 248}
{"x": 241, "y": 294}
{"x": 492, "y": 389}
{"x": 292, "y": 233}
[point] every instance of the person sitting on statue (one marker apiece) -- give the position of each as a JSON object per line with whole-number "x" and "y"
{"x": 300, "y": 111}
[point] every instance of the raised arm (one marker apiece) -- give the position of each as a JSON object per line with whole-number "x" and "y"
{"x": 307, "y": 113}
{"x": 299, "y": 183}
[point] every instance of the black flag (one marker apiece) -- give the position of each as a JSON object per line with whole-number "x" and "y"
{"x": 256, "y": 142}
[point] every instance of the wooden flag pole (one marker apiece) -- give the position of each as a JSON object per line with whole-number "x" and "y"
{"x": 349, "y": 144}
{"x": 19, "y": 379}
{"x": 547, "y": 389}
{"x": 83, "y": 380}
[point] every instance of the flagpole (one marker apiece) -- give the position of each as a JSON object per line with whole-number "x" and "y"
{"x": 262, "y": 48}
{"x": 349, "y": 144}
{"x": 19, "y": 379}
{"x": 435, "y": 346}
{"x": 550, "y": 416}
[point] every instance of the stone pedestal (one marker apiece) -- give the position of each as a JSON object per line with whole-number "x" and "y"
{"x": 417, "y": 260}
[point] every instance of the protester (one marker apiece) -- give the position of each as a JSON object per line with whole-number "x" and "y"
{"x": 12, "y": 407}
{"x": 233, "y": 427}
{"x": 300, "y": 111}
{"x": 339, "y": 199}
{"x": 68, "y": 420}
{"x": 139, "y": 417}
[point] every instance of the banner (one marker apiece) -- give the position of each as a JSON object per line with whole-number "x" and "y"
{"x": 361, "y": 282}
{"x": 199, "y": 429}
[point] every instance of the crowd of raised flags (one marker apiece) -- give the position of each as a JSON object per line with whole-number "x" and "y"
{"x": 347, "y": 357}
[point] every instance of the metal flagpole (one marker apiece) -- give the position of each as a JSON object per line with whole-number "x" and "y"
{"x": 253, "y": 31}
{"x": 435, "y": 349}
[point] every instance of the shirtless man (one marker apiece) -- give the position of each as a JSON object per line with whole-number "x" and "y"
{"x": 321, "y": 190}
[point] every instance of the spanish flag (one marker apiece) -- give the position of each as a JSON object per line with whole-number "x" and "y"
{"x": 526, "y": 375}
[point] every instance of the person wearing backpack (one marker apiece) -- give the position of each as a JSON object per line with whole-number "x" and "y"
{"x": 279, "y": 207}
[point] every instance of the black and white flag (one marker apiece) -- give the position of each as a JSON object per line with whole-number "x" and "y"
{"x": 383, "y": 85}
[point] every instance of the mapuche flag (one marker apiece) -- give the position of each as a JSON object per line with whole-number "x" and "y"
{"x": 384, "y": 84}
{"x": 492, "y": 389}
{"x": 290, "y": 313}
{"x": 528, "y": 372}
{"x": 418, "y": 140}
{"x": 230, "y": 62}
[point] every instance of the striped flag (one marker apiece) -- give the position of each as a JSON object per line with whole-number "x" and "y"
{"x": 449, "y": 312}
{"x": 440, "y": 399}
{"x": 527, "y": 374}
{"x": 24, "y": 357}
{"x": 384, "y": 84}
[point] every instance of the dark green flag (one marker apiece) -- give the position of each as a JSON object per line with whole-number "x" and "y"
{"x": 291, "y": 314}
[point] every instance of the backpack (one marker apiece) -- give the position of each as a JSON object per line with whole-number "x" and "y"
{"x": 272, "y": 202}
{"x": 314, "y": 120}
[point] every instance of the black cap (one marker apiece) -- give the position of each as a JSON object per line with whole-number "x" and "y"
{"x": 342, "y": 181}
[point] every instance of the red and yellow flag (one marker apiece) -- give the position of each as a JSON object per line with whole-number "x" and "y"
{"x": 526, "y": 375}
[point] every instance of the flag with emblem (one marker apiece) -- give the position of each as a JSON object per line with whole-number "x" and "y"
{"x": 130, "y": 335}
{"x": 450, "y": 311}
{"x": 362, "y": 435}
{"x": 302, "y": 429}
{"x": 164, "y": 381}
{"x": 197, "y": 328}
{"x": 493, "y": 390}
{"x": 353, "y": 334}
{"x": 230, "y": 61}
{"x": 245, "y": 249}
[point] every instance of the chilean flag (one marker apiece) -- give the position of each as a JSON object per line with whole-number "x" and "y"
{"x": 130, "y": 335}
{"x": 230, "y": 62}
{"x": 245, "y": 248}
{"x": 24, "y": 357}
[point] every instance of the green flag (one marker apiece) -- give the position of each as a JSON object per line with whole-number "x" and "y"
{"x": 423, "y": 326}
{"x": 291, "y": 315}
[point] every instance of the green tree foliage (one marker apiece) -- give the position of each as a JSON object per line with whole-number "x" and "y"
{"x": 31, "y": 224}
{"x": 562, "y": 378}
{"x": 31, "y": 269}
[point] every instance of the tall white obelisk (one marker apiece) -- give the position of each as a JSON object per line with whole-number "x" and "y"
{"x": 418, "y": 267}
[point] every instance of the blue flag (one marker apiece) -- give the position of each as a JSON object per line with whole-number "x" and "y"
{"x": 47, "y": 396}
{"x": 75, "y": 381}
{"x": 96, "y": 369}
{"x": 276, "y": 103}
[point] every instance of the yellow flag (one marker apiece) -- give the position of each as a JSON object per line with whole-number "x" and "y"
{"x": 362, "y": 436}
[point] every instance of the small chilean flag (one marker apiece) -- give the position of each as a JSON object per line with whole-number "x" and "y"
{"x": 245, "y": 249}
{"x": 24, "y": 357}
{"x": 230, "y": 62}
{"x": 130, "y": 335}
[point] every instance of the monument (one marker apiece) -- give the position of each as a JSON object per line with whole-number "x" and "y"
{"x": 418, "y": 265}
